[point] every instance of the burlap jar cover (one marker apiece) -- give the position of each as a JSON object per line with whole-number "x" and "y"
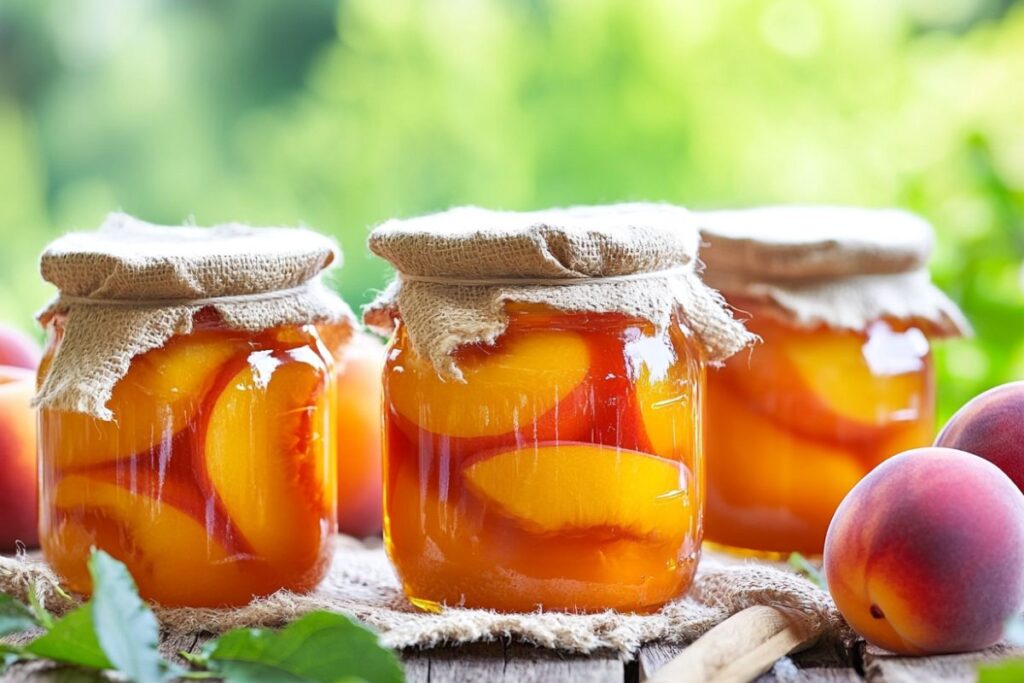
{"x": 839, "y": 267}
{"x": 130, "y": 286}
{"x": 458, "y": 269}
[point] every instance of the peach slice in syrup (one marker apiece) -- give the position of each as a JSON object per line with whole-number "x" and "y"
{"x": 757, "y": 467}
{"x": 666, "y": 393}
{"x": 821, "y": 383}
{"x": 564, "y": 487}
{"x": 267, "y": 458}
{"x": 529, "y": 385}
{"x": 167, "y": 549}
{"x": 160, "y": 395}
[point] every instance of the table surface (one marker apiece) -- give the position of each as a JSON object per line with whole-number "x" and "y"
{"x": 519, "y": 663}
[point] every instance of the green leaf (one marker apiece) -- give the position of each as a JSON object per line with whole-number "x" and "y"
{"x": 7, "y": 658}
{"x": 321, "y": 647}
{"x": 1010, "y": 671}
{"x": 9, "y": 654}
{"x": 44, "y": 618}
{"x": 72, "y": 640}
{"x": 804, "y": 567}
{"x": 14, "y": 616}
{"x": 126, "y": 628}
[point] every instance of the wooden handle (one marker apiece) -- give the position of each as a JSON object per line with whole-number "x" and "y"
{"x": 741, "y": 648}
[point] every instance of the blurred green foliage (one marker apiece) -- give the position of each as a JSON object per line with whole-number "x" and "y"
{"x": 340, "y": 116}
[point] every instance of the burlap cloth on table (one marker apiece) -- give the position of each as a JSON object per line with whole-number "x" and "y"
{"x": 362, "y": 584}
{"x": 458, "y": 269}
{"x": 843, "y": 267}
{"x": 130, "y": 286}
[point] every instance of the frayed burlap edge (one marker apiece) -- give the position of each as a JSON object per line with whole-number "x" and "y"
{"x": 850, "y": 303}
{"x": 477, "y": 313}
{"x": 84, "y": 371}
{"x": 362, "y": 584}
{"x": 129, "y": 286}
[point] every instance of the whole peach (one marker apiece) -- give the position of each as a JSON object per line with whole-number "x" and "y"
{"x": 17, "y": 458}
{"x": 18, "y": 349}
{"x": 991, "y": 425}
{"x": 926, "y": 554}
{"x": 359, "y": 368}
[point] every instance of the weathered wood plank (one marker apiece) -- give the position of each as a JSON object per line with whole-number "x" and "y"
{"x": 172, "y": 644}
{"x": 817, "y": 665}
{"x": 484, "y": 662}
{"x": 653, "y": 656}
{"x": 417, "y": 667}
{"x": 509, "y": 662}
{"x": 821, "y": 664}
{"x": 528, "y": 664}
{"x": 881, "y": 666}
{"x": 790, "y": 670}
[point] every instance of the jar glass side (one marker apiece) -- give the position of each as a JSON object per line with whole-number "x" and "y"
{"x": 216, "y": 480}
{"x": 797, "y": 421}
{"x": 565, "y": 471}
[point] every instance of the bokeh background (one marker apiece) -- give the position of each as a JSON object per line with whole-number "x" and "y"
{"x": 339, "y": 115}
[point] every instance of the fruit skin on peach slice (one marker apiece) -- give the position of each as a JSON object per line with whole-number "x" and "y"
{"x": 613, "y": 399}
{"x": 160, "y": 395}
{"x": 770, "y": 489}
{"x": 174, "y": 560}
{"x": 563, "y": 487}
{"x": 820, "y": 383}
{"x": 531, "y": 384}
{"x": 268, "y": 458}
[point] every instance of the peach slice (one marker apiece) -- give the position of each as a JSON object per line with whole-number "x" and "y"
{"x": 268, "y": 458}
{"x": 612, "y": 402}
{"x": 667, "y": 399}
{"x": 770, "y": 489}
{"x": 642, "y": 387}
{"x": 160, "y": 395}
{"x": 566, "y": 487}
{"x": 529, "y": 383}
{"x": 173, "y": 558}
{"x": 821, "y": 383}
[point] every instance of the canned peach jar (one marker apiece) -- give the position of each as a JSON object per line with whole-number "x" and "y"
{"x": 543, "y": 405}
{"x": 843, "y": 378}
{"x": 185, "y": 421}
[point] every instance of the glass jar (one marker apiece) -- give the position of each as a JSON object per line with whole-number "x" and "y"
{"x": 564, "y": 472}
{"x": 797, "y": 422}
{"x": 214, "y": 483}
{"x": 843, "y": 379}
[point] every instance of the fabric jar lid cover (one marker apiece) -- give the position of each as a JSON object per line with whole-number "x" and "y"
{"x": 458, "y": 269}
{"x": 840, "y": 266}
{"x": 130, "y": 286}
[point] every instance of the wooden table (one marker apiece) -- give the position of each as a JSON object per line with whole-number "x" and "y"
{"x": 516, "y": 663}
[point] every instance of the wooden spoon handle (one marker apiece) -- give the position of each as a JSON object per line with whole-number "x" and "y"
{"x": 741, "y": 648}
